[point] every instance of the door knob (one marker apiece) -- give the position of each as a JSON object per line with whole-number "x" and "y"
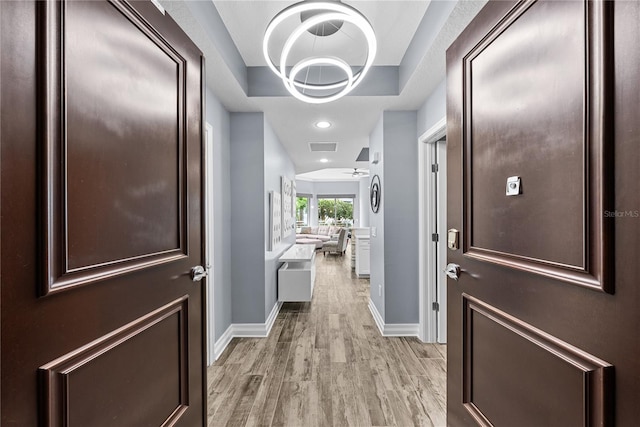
{"x": 452, "y": 270}
{"x": 198, "y": 273}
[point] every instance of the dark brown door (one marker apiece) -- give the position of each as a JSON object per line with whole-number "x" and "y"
{"x": 101, "y": 216}
{"x": 543, "y": 321}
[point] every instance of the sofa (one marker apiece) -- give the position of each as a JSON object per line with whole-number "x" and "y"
{"x": 316, "y": 235}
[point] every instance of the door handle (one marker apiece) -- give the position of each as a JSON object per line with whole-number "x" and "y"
{"x": 198, "y": 273}
{"x": 453, "y": 271}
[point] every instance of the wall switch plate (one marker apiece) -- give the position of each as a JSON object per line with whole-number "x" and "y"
{"x": 379, "y": 290}
{"x": 374, "y": 232}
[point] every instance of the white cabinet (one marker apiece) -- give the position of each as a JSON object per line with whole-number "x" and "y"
{"x": 363, "y": 231}
{"x": 362, "y": 256}
{"x": 297, "y": 276}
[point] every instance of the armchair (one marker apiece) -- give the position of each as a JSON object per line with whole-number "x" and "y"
{"x": 338, "y": 246}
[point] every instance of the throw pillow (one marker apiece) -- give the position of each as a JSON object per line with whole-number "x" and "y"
{"x": 305, "y": 230}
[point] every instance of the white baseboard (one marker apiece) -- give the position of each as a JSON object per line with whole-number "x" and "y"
{"x": 376, "y": 316}
{"x": 272, "y": 316}
{"x": 222, "y": 343}
{"x": 246, "y": 330}
{"x": 257, "y": 330}
{"x": 392, "y": 329}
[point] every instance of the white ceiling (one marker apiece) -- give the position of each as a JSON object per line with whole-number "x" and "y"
{"x": 333, "y": 174}
{"x": 352, "y": 117}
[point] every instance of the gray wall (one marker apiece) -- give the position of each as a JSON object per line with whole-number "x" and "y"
{"x": 206, "y": 14}
{"x": 277, "y": 163}
{"x": 247, "y": 227}
{"x": 429, "y": 29}
{"x": 376, "y": 271}
{"x": 219, "y": 119}
{"x": 400, "y": 192}
{"x": 303, "y": 186}
{"x": 394, "y": 250}
{"x": 258, "y": 160}
{"x": 433, "y": 109}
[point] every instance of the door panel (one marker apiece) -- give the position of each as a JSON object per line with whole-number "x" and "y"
{"x": 535, "y": 108}
{"x": 103, "y": 96}
{"x": 553, "y": 383}
{"x": 120, "y": 363}
{"x": 101, "y": 216}
{"x": 507, "y": 84}
{"x": 531, "y": 91}
{"x": 115, "y": 84}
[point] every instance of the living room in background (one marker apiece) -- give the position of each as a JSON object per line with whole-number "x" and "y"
{"x": 303, "y": 203}
{"x": 336, "y": 210}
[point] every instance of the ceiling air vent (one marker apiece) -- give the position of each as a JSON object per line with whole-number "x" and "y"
{"x": 323, "y": 147}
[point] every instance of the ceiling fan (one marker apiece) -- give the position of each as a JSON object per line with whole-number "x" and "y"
{"x": 356, "y": 172}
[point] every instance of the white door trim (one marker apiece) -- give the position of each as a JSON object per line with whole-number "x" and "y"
{"x": 432, "y": 324}
{"x": 209, "y": 246}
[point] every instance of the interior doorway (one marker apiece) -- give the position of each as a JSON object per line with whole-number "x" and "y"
{"x": 432, "y": 226}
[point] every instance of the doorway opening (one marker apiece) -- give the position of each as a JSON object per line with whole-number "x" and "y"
{"x": 432, "y": 229}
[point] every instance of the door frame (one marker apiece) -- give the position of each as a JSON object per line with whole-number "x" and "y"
{"x": 432, "y": 325}
{"x": 209, "y": 240}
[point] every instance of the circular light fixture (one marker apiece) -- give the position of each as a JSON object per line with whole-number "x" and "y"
{"x": 289, "y": 82}
{"x": 315, "y": 15}
{"x": 324, "y": 160}
{"x": 323, "y": 124}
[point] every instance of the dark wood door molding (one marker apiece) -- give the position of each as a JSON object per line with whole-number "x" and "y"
{"x": 573, "y": 181}
{"x": 532, "y": 87}
{"x": 102, "y": 114}
{"x": 72, "y": 259}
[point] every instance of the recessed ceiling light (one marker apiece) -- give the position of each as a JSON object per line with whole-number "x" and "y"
{"x": 324, "y": 160}
{"x": 323, "y": 124}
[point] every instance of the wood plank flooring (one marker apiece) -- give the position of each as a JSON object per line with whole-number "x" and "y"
{"x": 326, "y": 364}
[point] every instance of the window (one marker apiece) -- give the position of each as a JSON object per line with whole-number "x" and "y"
{"x": 302, "y": 211}
{"x": 335, "y": 211}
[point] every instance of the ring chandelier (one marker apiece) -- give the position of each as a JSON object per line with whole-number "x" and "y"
{"x": 323, "y": 12}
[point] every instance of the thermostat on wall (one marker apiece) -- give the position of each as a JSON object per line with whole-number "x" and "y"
{"x": 376, "y": 158}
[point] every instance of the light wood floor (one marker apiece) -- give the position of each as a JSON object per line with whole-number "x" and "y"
{"x": 325, "y": 363}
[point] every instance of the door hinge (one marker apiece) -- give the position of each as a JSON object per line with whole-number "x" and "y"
{"x": 436, "y": 306}
{"x": 434, "y": 237}
{"x": 434, "y": 168}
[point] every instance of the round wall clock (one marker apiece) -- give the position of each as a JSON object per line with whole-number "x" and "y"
{"x": 375, "y": 193}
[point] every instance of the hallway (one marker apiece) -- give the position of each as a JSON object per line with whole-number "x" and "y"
{"x": 325, "y": 363}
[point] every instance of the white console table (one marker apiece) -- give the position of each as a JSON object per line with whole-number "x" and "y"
{"x": 363, "y": 254}
{"x": 297, "y": 275}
